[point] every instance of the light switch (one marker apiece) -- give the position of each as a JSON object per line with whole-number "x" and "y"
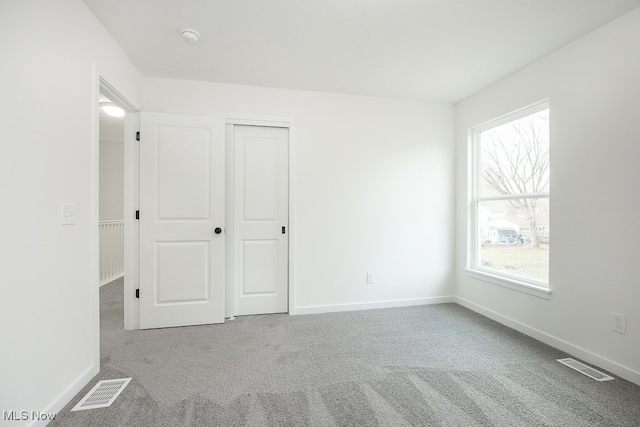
{"x": 68, "y": 213}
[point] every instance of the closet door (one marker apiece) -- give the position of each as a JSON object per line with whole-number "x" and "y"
{"x": 261, "y": 204}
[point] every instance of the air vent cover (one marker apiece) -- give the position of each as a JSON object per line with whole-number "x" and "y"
{"x": 102, "y": 394}
{"x": 588, "y": 371}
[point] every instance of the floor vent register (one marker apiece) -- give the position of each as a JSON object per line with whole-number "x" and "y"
{"x": 586, "y": 370}
{"x": 102, "y": 394}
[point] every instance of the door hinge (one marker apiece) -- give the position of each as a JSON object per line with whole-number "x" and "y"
{"x": 138, "y": 136}
{"x": 137, "y": 214}
{"x": 283, "y": 229}
{"x": 137, "y": 293}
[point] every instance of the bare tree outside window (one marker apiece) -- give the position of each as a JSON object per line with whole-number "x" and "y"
{"x": 515, "y": 160}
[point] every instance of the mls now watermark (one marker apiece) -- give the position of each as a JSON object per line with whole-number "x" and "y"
{"x": 28, "y": 416}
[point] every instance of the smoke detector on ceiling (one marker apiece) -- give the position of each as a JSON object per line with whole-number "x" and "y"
{"x": 190, "y": 35}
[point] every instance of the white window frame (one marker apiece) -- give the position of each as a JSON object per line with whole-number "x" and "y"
{"x": 474, "y": 269}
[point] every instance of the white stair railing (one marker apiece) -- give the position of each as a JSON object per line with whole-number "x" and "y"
{"x": 111, "y": 250}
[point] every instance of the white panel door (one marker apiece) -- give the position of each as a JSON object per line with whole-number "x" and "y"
{"x": 182, "y": 160}
{"x": 261, "y": 204}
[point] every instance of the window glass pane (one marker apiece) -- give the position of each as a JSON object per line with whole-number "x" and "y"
{"x": 514, "y": 157}
{"x": 514, "y": 237}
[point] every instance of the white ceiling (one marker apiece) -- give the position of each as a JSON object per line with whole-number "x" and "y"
{"x": 438, "y": 50}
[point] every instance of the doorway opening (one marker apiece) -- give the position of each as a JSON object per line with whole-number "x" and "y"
{"x": 111, "y": 192}
{"x": 117, "y": 200}
{"x": 111, "y": 212}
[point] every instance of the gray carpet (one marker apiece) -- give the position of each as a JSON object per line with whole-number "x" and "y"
{"x": 438, "y": 365}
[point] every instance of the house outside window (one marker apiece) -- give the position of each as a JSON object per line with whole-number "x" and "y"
{"x": 509, "y": 227}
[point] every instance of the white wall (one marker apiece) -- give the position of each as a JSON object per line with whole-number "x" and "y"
{"x": 593, "y": 86}
{"x": 49, "y": 152}
{"x": 373, "y": 188}
{"x": 111, "y": 181}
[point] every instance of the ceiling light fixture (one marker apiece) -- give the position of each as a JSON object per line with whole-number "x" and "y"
{"x": 190, "y": 35}
{"x": 112, "y": 109}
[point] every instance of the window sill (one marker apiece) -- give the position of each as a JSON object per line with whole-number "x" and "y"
{"x": 527, "y": 288}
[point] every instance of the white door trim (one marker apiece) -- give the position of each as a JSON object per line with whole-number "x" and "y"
{"x": 131, "y": 225}
{"x": 268, "y": 122}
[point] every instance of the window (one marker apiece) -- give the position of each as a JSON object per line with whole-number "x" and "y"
{"x": 510, "y": 201}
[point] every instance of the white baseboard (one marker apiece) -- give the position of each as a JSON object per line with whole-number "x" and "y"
{"x": 578, "y": 352}
{"x": 333, "y": 308}
{"x": 69, "y": 393}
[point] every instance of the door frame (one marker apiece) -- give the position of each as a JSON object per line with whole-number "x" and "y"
{"x": 230, "y": 282}
{"x": 131, "y": 191}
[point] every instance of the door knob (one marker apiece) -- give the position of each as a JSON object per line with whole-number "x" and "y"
{"x": 218, "y": 230}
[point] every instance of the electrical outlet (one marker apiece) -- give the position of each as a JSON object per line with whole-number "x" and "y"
{"x": 370, "y": 278}
{"x": 619, "y": 323}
